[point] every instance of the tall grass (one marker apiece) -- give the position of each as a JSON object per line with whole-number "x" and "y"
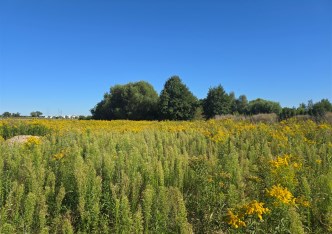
{"x": 167, "y": 177}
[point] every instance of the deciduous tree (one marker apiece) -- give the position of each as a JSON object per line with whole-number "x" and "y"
{"x": 176, "y": 102}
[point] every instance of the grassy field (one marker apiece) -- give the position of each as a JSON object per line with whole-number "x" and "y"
{"x": 214, "y": 176}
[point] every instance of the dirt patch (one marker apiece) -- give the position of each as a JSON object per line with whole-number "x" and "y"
{"x": 20, "y": 139}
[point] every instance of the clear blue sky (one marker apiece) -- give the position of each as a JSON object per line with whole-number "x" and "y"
{"x": 61, "y": 56}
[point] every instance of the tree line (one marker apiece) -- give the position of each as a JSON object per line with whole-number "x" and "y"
{"x": 140, "y": 101}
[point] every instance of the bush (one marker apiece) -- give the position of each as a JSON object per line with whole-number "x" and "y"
{"x": 14, "y": 128}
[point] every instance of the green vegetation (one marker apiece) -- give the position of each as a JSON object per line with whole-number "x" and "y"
{"x": 166, "y": 177}
{"x": 217, "y": 102}
{"x": 36, "y": 114}
{"x": 134, "y": 101}
{"x": 139, "y": 101}
{"x": 176, "y": 102}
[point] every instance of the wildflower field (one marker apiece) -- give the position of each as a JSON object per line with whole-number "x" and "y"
{"x": 218, "y": 176}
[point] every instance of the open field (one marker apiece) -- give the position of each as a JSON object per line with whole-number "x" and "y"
{"x": 218, "y": 176}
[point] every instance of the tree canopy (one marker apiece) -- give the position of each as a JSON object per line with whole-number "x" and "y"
{"x": 36, "y": 114}
{"x": 176, "y": 102}
{"x": 261, "y": 106}
{"x": 320, "y": 108}
{"x": 217, "y": 102}
{"x": 134, "y": 101}
{"x": 140, "y": 101}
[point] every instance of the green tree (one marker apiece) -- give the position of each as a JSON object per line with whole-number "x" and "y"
{"x": 232, "y": 101}
{"x": 217, "y": 102}
{"x": 320, "y": 108}
{"x": 199, "y": 114}
{"x": 242, "y": 104}
{"x": 176, "y": 102}
{"x": 17, "y": 114}
{"x": 310, "y": 107}
{"x": 261, "y": 106}
{"x": 100, "y": 111}
{"x": 287, "y": 113}
{"x": 134, "y": 101}
{"x": 302, "y": 109}
{"x": 6, "y": 114}
{"x": 36, "y": 114}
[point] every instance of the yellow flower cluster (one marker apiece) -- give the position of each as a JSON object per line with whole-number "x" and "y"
{"x": 281, "y": 194}
{"x": 256, "y": 207}
{"x": 280, "y": 161}
{"x": 60, "y": 155}
{"x": 297, "y": 165}
{"x": 234, "y": 220}
{"x": 301, "y": 200}
{"x": 31, "y": 141}
{"x": 252, "y": 208}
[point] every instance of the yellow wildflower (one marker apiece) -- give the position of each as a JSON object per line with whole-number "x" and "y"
{"x": 234, "y": 220}
{"x": 256, "y": 207}
{"x": 297, "y": 165}
{"x": 59, "y": 155}
{"x": 301, "y": 200}
{"x": 32, "y": 141}
{"x": 281, "y": 194}
{"x": 280, "y": 161}
{"x": 210, "y": 179}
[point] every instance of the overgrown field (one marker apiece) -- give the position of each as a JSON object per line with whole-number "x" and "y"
{"x": 166, "y": 177}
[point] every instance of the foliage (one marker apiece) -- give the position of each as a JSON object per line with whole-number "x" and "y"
{"x": 139, "y": 101}
{"x": 320, "y": 108}
{"x": 166, "y": 177}
{"x": 134, "y": 101}
{"x": 10, "y": 128}
{"x": 36, "y": 114}
{"x": 287, "y": 113}
{"x": 242, "y": 104}
{"x": 260, "y": 106}
{"x": 8, "y": 114}
{"x": 217, "y": 102}
{"x": 176, "y": 102}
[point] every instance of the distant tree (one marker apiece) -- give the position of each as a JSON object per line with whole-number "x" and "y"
{"x": 302, "y": 109}
{"x": 36, "y": 114}
{"x": 217, "y": 102}
{"x": 101, "y": 110}
{"x": 83, "y": 117}
{"x": 134, "y": 101}
{"x": 17, "y": 114}
{"x": 232, "y": 101}
{"x": 287, "y": 113}
{"x": 199, "y": 114}
{"x": 176, "y": 102}
{"x": 310, "y": 107}
{"x": 242, "y": 104}
{"x": 6, "y": 114}
{"x": 261, "y": 106}
{"x": 320, "y": 108}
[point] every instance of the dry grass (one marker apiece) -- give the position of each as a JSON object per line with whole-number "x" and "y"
{"x": 19, "y": 139}
{"x": 264, "y": 118}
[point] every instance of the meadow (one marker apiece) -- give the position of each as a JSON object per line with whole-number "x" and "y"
{"x": 216, "y": 176}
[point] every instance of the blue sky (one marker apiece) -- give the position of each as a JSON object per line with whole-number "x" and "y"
{"x": 61, "y": 56}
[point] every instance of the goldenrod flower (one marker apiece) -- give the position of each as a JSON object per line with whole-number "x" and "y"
{"x": 256, "y": 207}
{"x": 32, "y": 141}
{"x": 60, "y": 155}
{"x": 234, "y": 220}
{"x": 280, "y": 161}
{"x": 281, "y": 194}
{"x": 301, "y": 200}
